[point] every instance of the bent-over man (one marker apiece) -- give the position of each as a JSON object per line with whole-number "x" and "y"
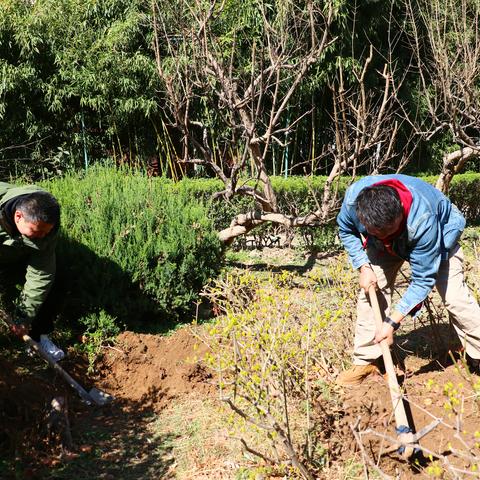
{"x": 29, "y": 225}
{"x": 384, "y": 221}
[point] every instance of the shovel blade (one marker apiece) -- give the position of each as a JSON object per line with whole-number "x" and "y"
{"x": 99, "y": 397}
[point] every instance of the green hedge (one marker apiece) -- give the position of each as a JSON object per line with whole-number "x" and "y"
{"x": 465, "y": 194}
{"x": 296, "y": 195}
{"x": 135, "y": 246}
{"x": 132, "y": 246}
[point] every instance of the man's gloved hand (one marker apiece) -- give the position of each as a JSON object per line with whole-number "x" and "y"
{"x": 20, "y": 324}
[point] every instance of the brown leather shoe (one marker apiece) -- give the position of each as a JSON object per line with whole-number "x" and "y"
{"x": 357, "y": 374}
{"x": 473, "y": 365}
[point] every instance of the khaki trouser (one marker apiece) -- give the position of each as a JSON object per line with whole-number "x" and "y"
{"x": 456, "y": 296}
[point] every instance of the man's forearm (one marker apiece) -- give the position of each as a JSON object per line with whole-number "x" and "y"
{"x": 397, "y": 316}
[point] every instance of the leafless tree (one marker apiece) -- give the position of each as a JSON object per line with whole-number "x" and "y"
{"x": 445, "y": 39}
{"x": 251, "y": 99}
{"x": 366, "y": 125}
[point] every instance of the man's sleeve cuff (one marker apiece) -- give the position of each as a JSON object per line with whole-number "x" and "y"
{"x": 405, "y": 311}
{"x": 359, "y": 261}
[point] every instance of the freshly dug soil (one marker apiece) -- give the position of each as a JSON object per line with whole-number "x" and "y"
{"x": 431, "y": 391}
{"x": 146, "y": 373}
{"x": 143, "y": 373}
{"x": 149, "y": 371}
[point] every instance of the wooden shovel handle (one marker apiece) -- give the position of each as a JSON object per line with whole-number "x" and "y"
{"x": 71, "y": 381}
{"x": 399, "y": 412}
{"x": 36, "y": 348}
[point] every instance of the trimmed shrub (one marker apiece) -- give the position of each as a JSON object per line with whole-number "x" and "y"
{"x": 298, "y": 195}
{"x": 464, "y": 193}
{"x": 132, "y": 246}
{"x": 295, "y": 196}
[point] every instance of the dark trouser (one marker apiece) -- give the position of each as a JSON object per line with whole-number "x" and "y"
{"x": 12, "y": 278}
{"x": 43, "y": 323}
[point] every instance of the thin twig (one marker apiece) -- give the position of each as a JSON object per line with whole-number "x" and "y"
{"x": 365, "y": 457}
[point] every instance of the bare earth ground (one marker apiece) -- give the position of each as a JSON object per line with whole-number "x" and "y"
{"x": 166, "y": 422}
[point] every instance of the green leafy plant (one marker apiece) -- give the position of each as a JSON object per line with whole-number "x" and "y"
{"x": 132, "y": 246}
{"x": 100, "y": 330}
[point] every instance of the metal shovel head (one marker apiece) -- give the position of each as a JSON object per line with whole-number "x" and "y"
{"x": 99, "y": 397}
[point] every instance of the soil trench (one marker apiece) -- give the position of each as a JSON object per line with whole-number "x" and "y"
{"x": 148, "y": 373}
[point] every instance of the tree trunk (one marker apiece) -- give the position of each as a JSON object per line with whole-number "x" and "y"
{"x": 452, "y": 164}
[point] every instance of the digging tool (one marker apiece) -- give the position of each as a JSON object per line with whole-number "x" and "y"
{"x": 94, "y": 396}
{"x": 404, "y": 431}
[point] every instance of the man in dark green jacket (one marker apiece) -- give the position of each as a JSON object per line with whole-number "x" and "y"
{"x": 29, "y": 225}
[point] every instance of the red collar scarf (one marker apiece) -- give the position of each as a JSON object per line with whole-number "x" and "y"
{"x": 406, "y": 201}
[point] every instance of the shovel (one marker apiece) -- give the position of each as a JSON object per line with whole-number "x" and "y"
{"x": 404, "y": 431}
{"x": 94, "y": 396}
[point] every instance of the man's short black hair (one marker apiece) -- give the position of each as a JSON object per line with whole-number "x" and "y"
{"x": 39, "y": 207}
{"x": 378, "y": 206}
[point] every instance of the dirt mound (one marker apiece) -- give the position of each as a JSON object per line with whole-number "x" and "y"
{"x": 148, "y": 371}
{"x": 143, "y": 372}
{"x": 444, "y": 394}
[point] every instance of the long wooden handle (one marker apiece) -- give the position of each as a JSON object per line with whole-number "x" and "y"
{"x": 401, "y": 419}
{"x": 35, "y": 346}
{"x": 72, "y": 382}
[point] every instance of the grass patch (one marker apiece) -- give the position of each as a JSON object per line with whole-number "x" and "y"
{"x": 199, "y": 439}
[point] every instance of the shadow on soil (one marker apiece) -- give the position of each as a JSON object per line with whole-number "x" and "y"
{"x": 118, "y": 441}
{"x": 438, "y": 343}
{"x": 114, "y": 441}
{"x": 121, "y": 440}
{"x": 300, "y": 269}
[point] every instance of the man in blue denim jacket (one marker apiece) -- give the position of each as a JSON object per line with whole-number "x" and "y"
{"x": 384, "y": 221}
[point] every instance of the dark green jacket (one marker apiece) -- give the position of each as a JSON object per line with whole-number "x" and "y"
{"x": 37, "y": 254}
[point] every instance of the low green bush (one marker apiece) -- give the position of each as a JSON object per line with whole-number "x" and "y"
{"x": 464, "y": 193}
{"x": 295, "y": 196}
{"x": 132, "y": 246}
{"x": 299, "y": 196}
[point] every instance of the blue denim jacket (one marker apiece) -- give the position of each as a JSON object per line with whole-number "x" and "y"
{"x": 433, "y": 227}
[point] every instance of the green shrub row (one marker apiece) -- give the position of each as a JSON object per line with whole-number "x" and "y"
{"x": 298, "y": 195}
{"x": 141, "y": 248}
{"x": 465, "y": 194}
{"x": 132, "y": 246}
